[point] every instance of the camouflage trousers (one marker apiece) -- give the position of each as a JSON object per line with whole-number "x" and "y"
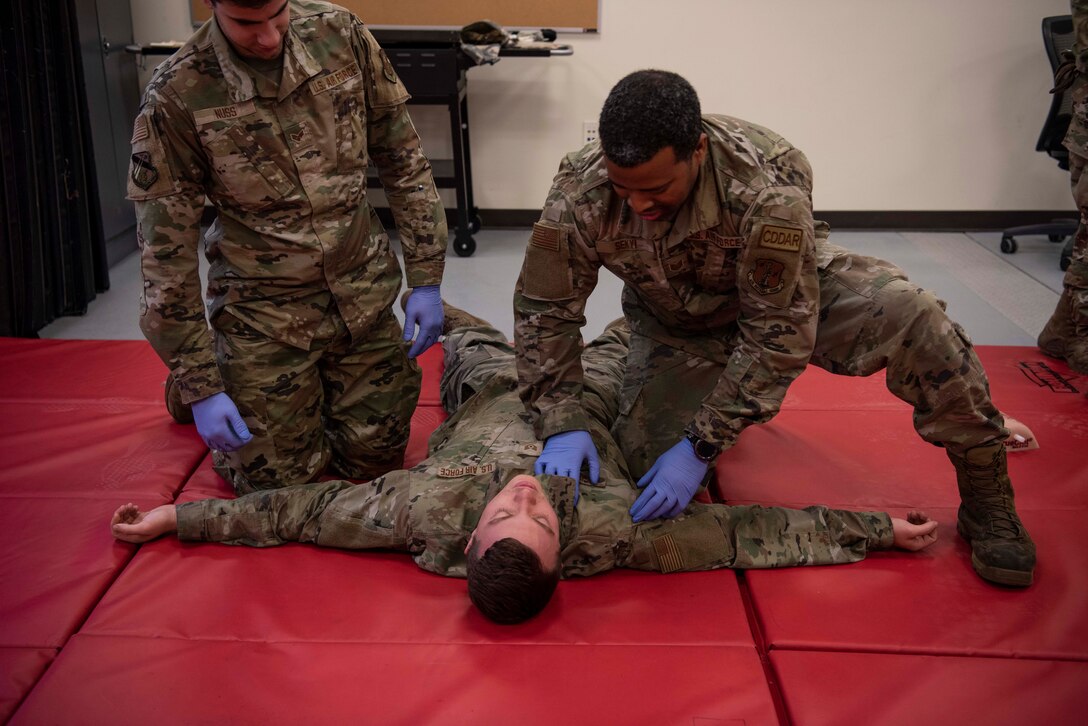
{"x": 475, "y": 355}
{"x": 871, "y": 319}
{"x": 1076, "y": 276}
{"x": 342, "y": 406}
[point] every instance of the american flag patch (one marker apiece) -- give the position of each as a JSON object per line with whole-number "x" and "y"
{"x": 139, "y": 130}
{"x": 668, "y": 554}
{"x": 545, "y": 236}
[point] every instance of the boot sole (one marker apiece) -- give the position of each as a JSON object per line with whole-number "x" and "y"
{"x": 996, "y": 575}
{"x": 1052, "y": 353}
{"x": 1001, "y": 576}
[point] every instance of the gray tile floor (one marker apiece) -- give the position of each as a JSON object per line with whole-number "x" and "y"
{"x": 1000, "y": 299}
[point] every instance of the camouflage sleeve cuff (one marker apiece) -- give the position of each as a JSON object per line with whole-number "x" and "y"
{"x": 560, "y": 418}
{"x": 709, "y": 427}
{"x": 191, "y": 521}
{"x": 881, "y": 534}
{"x": 421, "y": 274}
{"x": 199, "y": 384}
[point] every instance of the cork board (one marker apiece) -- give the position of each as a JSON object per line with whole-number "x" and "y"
{"x": 512, "y": 14}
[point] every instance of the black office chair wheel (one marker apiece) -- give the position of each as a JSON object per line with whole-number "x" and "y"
{"x": 475, "y": 223}
{"x": 464, "y": 245}
{"x": 1008, "y": 244}
{"x": 1055, "y": 237}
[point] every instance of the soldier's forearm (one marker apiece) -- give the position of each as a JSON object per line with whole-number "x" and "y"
{"x": 261, "y": 519}
{"x": 172, "y": 315}
{"x": 778, "y": 537}
{"x": 550, "y": 377}
{"x": 753, "y": 384}
{"x": 408, "y": 180}
{"x": 711, "y": 536}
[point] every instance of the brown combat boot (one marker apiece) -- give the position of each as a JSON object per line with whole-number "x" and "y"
{"x": 452, "y": 317}
{"x": 1059, "y": 338}
{"x": 1001, "y": 550}
{"x": 180, "y": 412}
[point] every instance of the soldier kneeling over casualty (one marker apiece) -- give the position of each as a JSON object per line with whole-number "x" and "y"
{"x": 470, "y": 509}
{"x": 731, "y": 290}
{"x": 272, "y": 112}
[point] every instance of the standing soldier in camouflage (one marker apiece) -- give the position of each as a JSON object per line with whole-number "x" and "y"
{"x": 1066, "y": 333}
{"x": 272, "y": 111}
{"x": 731, "y": 289}
{"x": 470, "y": 509}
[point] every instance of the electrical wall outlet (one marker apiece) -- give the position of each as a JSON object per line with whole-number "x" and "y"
{"x": 589, "y": 132}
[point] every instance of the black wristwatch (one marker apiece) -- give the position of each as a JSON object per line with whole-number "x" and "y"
{"x": 704, "y": 450}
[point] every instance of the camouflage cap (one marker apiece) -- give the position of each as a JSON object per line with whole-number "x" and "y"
{"x": 482, "y": 32}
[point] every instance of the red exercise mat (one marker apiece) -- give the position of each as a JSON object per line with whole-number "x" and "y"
{"x": 932, "y": 602}
{"x": 123, "y": 371}
{"x": 80, "y": 448}
{"x": 121, "y": 680}
{"x": 875, "y": 460}
{"x": 59, "y": 557}
{"x": 20, "y": 669}
{"x": 907, "y": 690}
{"x": 306, "y": 593}
{"x": 432, "y": 361}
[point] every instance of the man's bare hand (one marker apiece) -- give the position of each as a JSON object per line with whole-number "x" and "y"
{"x": 914, "y": 533}
{"x": 129, "y": 524}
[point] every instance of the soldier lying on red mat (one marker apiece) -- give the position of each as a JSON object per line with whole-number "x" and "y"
{"x": 471, "y": 509}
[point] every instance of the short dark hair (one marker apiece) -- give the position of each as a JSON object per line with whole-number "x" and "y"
{"x": 646, "y": 112}
{"x": 251, "y": 4}
{"x": 508, "y": 582}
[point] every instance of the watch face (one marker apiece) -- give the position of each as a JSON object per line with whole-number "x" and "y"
{"x": 703, "y": 449}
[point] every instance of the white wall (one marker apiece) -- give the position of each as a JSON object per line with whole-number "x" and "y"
{"x": 921, "y": 105}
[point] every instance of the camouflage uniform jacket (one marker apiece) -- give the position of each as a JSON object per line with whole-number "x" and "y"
{"x": 732, "y": 278}
{"x": 1079, "y": 11}
{"x": 430, "y": 510}
{"x": 1076, "y": 138}
{"x": 286, "y": 169}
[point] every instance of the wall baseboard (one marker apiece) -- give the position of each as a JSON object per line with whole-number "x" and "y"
{"x": 950, "y": 221}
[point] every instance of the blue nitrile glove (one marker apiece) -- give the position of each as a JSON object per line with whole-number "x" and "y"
{"x": 670, "y": 483}
{"x": 219, "y": 423}
{"x": 563, "y": 456}
{"x": 424, "y": 308}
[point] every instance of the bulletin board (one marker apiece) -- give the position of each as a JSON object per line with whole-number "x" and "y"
{"x": 512, "y": 14}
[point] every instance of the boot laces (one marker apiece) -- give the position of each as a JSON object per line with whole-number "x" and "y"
{"x": 994, "y": 501}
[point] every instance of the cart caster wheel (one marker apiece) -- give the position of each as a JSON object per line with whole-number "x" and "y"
{"x": 475, "y": 223}
{"x": 1008, "y": 245}
{"x": 1055, "y": 237}
{"x": 464, "y": 246}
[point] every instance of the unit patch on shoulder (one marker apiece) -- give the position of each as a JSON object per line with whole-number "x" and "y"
{"x": 545, "y": 236}
{"x": 668, "y": 554}
{"x": 765, "y": 277}
{"x": 144, "y": 173}
{"x": 387, "y": 68}
{"x": 781, "y": 238}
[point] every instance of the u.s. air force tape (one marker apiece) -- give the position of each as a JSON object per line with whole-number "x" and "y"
{"x": 452, "y": 472}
